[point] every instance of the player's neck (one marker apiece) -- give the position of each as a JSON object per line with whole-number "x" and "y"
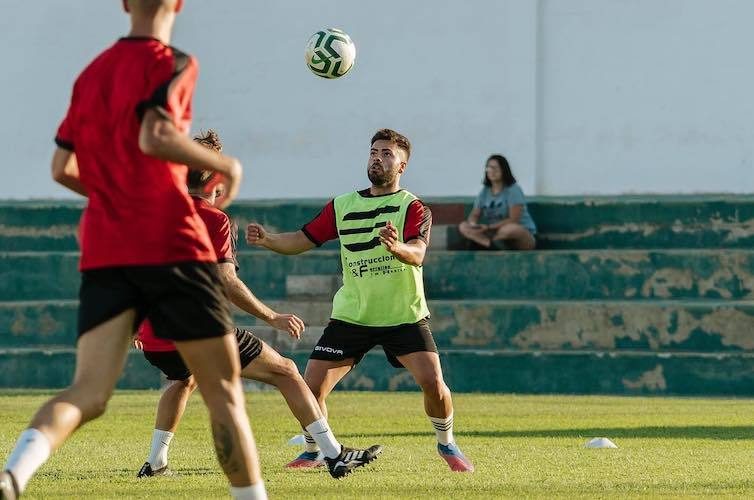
{"x": 154, "y": 27}
{"x": 496, "y": 187}
{"x": 382, "y": 190}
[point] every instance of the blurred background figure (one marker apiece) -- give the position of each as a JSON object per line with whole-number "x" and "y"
{"x": 499, "y": 218}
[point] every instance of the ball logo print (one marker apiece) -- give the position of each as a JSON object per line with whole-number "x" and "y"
{"x": 330, "y": 53}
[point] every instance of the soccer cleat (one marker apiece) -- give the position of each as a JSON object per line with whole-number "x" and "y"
{"x": 146, "y": 471}
{"x": 305, "y": 460}
{"x": 350, "y": 459}
{"x": 8, "y": 486}
{"x": 456, "y": 460}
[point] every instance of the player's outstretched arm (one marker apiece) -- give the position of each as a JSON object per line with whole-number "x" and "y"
{"x": 285, "y": 243}
{"x": 242, "y": 297}
{"x": 160, "y": 138}
{"x": 411, "y": 253}
{"x": 65, "y": 170}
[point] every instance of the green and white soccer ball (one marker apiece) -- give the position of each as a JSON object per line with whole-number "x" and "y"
{"x": 330, "y": 53}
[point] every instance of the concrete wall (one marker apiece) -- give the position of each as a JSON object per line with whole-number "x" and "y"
{"x": 583, "y": 96}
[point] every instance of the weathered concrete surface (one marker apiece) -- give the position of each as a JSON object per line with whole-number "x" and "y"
{"x": 550, "y": 275}
{"x": 709, "y": 326}
{"x": 54, "y": 367}
{"x": 616, "y": 275}
{"x": 568, "y": 372}
{"x": 24, "y": 324}
{"x": 654, "y": 321}
{"x": 486, "y": 371}
{"x": 705, "y": 221}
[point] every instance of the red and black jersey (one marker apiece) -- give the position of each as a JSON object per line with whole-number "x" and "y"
{"x": 224, "y": 235}
{"x": 139, "y": 212}
{"x": 223, "y": 232}
{"x": 323, "y": 227}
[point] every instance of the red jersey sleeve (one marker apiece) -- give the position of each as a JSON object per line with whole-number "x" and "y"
{"x": 64, "y": 137}
{"x": 174, "y": 95}
{"x": 322, "y": 228}
{"x": 225, "y": 240}
{"x": 418, "y": 222}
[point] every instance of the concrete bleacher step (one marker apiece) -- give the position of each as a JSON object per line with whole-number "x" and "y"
{"x": 578, "y": 371}
{"x": 548, "y": 275}
{"x": 575, "y": 372}
{"x": 658, "y": 326}
{"x": 652, "y": 221}
{"x": 53, "y": 367}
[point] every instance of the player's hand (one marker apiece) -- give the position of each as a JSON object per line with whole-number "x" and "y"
{"x": 138, "y": 344}
{"x": 288, "y": 323}
{"x": 255, "y": 234}
{"x": 389, "y": 237}
{"x": 231, "y": 182}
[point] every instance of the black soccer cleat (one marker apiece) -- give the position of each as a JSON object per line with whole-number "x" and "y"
{"x": 8, "y": 486}
{"x": 350, "y": 459}
{"x": 146, "y": 471}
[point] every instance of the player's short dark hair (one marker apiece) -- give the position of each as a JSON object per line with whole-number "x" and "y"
{"x": 385, "y": 134}
{"x": 197, "y": 179}
{"x": 149, "y": 7}
{"x": 508, "y": 179}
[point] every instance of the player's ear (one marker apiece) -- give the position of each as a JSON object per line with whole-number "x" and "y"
{"x": 402, "y": 167}
{"x": 178, "y": 6}
{"x": 125, "y": 6}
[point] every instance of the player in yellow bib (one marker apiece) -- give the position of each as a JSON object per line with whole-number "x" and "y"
{"x": 383, "y": 232}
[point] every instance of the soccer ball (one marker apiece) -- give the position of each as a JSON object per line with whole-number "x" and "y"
{"x": 330, "y": 53}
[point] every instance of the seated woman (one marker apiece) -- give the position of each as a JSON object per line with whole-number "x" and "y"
{"x": 500, "y": 212}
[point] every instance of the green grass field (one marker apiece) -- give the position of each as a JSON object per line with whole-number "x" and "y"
{"x": 522, "y": 446}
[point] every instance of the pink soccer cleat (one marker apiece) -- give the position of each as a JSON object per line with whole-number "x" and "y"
{"x": 305, "y": 460}
{"x": 456, "y": 460}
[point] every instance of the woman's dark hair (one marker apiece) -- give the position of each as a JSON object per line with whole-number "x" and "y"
{"x": 508, "y": 179}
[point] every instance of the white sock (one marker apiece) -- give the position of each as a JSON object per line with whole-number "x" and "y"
{"x": 443, "y": 429}
{"x": 31, "y": 451}
{"x": 158, "y": 457}
{"x": 323, "y": 436}
{"x": 311, "y": 444}
{"x": 253, "y": 492}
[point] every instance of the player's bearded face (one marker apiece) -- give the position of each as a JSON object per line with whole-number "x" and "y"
{"x": 384, "y": 163}
{"x": 379, "y": 176}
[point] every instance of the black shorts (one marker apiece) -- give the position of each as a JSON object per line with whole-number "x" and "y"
{"x": 185, "y": 301}
{"x": 343, "y": 340}
{"x": 171, "y": 363}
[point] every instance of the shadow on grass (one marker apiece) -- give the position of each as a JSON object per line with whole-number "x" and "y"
{"x": 679, "y": 432}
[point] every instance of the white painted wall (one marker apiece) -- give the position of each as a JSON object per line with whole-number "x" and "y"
{"x": 583, "y": 96}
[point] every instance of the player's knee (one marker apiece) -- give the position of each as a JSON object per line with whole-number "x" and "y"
{"x": 222, "y": 395}
{"x": 94, "y": 406}
{"x": 288, "y": 369}
{"x": 91, "y": 403}
{"x": 433, "y": 386}
{"x": 189, "y": 384}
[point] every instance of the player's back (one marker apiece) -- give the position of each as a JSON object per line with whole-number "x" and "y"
{"x": 224, "y": 236}
{"x": 139, "y": 212}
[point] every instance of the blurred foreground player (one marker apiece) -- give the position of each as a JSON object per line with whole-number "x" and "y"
{"x": 142, "y": 256}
